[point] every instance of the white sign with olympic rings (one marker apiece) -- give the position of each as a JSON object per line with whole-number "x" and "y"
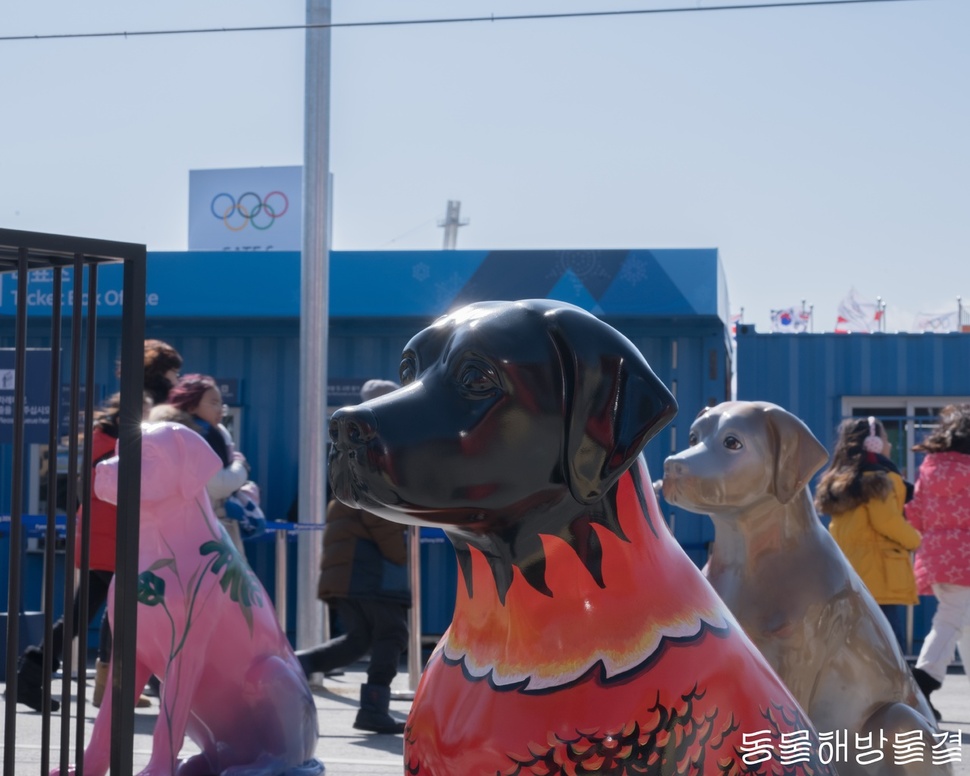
{"x": 246, "y": 209}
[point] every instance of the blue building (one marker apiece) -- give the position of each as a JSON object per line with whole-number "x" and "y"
{"x": 903, "y": 379}
{"x": 235, "y": 315}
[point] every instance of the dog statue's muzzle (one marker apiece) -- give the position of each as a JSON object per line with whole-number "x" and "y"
{"x": 352, "y": 427}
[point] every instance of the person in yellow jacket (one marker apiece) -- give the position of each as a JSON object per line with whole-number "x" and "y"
{"x": 864, "y": 495}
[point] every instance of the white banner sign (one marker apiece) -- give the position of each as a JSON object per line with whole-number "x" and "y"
{"x": 246, "y": 209}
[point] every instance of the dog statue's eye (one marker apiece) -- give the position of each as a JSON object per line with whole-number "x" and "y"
{"x": 732, "y": 443}
{"x": 477, "y": 379}
{"x": 692, "y": 439}
{"x": 408, "y": 370}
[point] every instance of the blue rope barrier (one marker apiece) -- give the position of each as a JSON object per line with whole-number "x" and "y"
{"x": 38, "y": 523}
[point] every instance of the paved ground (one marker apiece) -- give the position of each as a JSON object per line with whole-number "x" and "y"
{"x": 348, "y": 752}
{"x": 345, "y": 751}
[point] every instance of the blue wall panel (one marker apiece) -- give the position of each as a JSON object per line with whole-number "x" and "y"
{"x": 264, "y": 357}
{"x": 809, "y": 374}
{"x": 409, "y": 284}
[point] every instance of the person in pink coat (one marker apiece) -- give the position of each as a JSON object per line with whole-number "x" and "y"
{"x": 940, "y": 510}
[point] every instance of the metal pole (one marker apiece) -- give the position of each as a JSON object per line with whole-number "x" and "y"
{"x": 909, "y": 630}
{"x": 414, "y": 645}
{"x": 124, "y": 626}
{"x": 314, "y": 289}
{"x": 14, "y": 587}
{"x": 281, "y": 574}
{"x": 73, "y": 583}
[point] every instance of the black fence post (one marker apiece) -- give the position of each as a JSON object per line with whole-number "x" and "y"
{"x": 26, "y": 252}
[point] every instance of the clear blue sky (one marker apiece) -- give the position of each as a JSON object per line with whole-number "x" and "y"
{"x": 818, "y": 148}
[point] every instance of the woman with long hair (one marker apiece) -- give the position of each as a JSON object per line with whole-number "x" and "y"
{"x": 941, "y": 510}
{"x": 864, "y": 494}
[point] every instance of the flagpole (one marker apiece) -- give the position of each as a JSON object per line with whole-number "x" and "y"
{"x": 311, "y": 622}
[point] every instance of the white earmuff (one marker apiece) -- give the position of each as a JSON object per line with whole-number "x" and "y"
{"x": 873, "y": 443}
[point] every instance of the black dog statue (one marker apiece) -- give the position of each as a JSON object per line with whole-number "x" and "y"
{"x": 584, "y": 640}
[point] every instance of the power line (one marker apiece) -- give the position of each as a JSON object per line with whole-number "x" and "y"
{"x": 409, "y": 232}
{"x": 448, "y": 20}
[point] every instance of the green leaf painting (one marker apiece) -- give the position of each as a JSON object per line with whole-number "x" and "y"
{"x": 151, "y": 589}
{"x": 237, "y": 579}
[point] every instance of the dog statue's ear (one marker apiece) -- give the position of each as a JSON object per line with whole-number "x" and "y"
{"x": 614, "y": 401}
{"x": 157, "y": 478}
{"x": 798, "y": 454}
{"x": 197, "y": 460}
{"x": 106, "y": 480}
{"x": 175, "y": 458}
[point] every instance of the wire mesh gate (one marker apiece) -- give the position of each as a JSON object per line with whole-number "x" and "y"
{"x": 70, "y": 337}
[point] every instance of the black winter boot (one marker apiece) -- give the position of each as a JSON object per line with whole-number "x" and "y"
{"x": 928, "y": 684}
{"x": 373, "y": 716}
{"x": 30, "y": 681}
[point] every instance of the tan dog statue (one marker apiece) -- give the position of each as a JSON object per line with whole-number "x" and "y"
{"x": 791, "y": 588}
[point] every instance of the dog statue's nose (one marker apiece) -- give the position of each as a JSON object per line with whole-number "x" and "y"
{"x": 352, "y": 426}
{"x": 672, "y": 467}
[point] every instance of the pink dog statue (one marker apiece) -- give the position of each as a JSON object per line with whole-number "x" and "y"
{"x": 207, "y": 629}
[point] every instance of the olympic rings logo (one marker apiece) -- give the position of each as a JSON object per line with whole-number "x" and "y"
{"x": 250, "y": 208}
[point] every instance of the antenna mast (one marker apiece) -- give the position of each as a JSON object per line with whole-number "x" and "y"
{"x": 451, "y": 223}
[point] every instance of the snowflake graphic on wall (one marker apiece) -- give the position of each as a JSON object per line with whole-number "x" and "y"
{"x": 634, "y": 271}
{"x": 583, "y": 264}
{"x": 421, "y": 272}
{"x": 447, "y": 290}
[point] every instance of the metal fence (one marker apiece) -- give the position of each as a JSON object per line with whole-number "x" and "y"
{"x": 64, "y": 325}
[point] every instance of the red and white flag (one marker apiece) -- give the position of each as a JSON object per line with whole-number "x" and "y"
{"x": 858, "y": 314}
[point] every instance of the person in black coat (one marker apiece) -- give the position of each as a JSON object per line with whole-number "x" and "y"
{"x": 364, "y": 577}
